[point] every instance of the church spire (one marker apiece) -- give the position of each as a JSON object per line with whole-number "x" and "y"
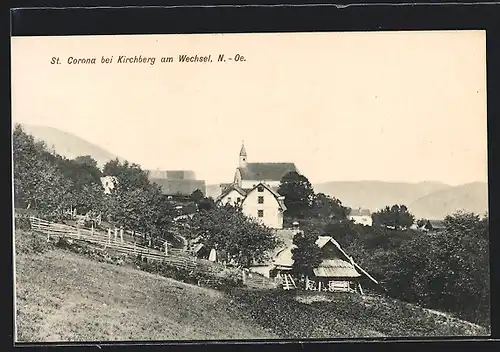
{"x": 243, "y": 156}
{"x": 243, "y": 152}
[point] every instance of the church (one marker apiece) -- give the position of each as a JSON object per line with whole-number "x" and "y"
{"x": 254, "y": 188}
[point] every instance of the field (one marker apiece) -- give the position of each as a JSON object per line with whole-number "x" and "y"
{"x": 63, "y": 296}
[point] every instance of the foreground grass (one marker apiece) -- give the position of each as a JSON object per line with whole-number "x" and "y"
{"x": 63, "y": 296}
{"x": 301, "y": 315}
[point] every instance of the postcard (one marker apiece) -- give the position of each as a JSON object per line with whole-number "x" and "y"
{"x": 208, "y": 187}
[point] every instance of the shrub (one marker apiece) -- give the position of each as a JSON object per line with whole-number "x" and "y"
{"x": 31, "y": 242}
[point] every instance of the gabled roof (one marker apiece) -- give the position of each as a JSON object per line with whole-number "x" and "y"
{"x": 229, "y": 189}
{"x": 266, "y": 171}
{"x": 437, "y": 224}
{"x": 279, "y": 198}
{"x": 336, "y": 268}
{"x": 328, "y": 267}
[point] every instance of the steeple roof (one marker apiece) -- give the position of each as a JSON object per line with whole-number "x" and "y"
{"x": 243, "y": 152}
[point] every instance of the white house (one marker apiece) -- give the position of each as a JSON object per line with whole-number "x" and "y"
{"x": 108, "y": 183}
{"x": 260, "y": 202}
{"x": 361, "y": 216}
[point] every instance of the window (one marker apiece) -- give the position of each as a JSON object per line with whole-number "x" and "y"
{"x": 261, "y": 200}
{"x": 260, "y": 213}
{"x": 260, "y": 189}
{"x": 229, "y": 199}
{"x": 238, "y": 200}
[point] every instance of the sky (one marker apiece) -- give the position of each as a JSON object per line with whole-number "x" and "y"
{"x": 389, "y": 106}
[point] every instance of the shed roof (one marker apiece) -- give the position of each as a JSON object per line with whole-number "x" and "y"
{"x": 336, "y": 268}
{"x": 266, "y": 171}
{"x": 437, "y": 224}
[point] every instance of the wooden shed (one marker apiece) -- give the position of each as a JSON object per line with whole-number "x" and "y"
{"x": 336, "y": 272}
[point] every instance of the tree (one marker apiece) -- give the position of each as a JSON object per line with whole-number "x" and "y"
{"x": 37, "y": 181}
{"x": 298, "y": 193}
{"x": 344, "y": 232}
{"x": 329, "y": 208}
{"x": 136, "y": 203}
{"x": 128, "y": 175}
{"x": 449, "y": 271}
{"x": 227, "y": 229}
{"x": 206, "y": 204}
{"x": 306, "y": 255}
{"x": 197, "y": 196}
{"x": 422, "y": 223}
{"x": 397, "y": 217}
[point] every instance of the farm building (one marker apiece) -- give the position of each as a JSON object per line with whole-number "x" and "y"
{"x": 174, "y": 183}
{"x": 435, "y": 225}
{"x": 361, "y": 216}
{"x": 336, "y": 272}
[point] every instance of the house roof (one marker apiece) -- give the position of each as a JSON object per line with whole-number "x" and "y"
{"x": 231, "y": 187}
{"x": 172, "y": 174}
{"x": 437, "y": 224}
{"x": 279, "y": 198}
{"x": 198, "y": 247}
{"x": 335, "y": 268}
{"x": 245, "y": 192}
{"x": 266, "y": 171}
{"x": 360, "y": 212}
{"x": 182, "y": 187}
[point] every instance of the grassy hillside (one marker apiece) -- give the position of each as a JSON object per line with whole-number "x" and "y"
{"x": 374, "y": 195}
{"x": 68, "y": 144}
{"x": 65, "y": 296}
{"x": 472, "y": 197}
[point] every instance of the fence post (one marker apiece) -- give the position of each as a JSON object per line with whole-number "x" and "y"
{"x": 121, "y": 235}
{"x": 166, "y": 248}
{"x": 92, "y": 230}
{"x": 243, "y": 277}
{"x": 116, "y": 233}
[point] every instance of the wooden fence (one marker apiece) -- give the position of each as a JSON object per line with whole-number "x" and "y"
{"x": 173, "y": 256}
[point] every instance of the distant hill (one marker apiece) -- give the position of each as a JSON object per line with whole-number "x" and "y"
{"x": 68, "y": 144}
{"x": 374, "y": 195}
{"x": 471, "y": 197}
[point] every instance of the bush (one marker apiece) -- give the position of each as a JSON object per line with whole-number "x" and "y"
{"x": 22, "y": 223}
{"x": 225, "y": 279}
{"x": 31, "y": 242}
{"x": 93, "y": 253}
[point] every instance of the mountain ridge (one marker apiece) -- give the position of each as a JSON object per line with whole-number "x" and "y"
{"x": 68, "y": 144}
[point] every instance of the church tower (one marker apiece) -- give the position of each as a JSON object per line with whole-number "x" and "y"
{"x": 243, "y": 156}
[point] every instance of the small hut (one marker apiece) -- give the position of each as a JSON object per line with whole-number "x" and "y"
{"x": 336, "y": 272}
{"x": 201, "y": 251}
